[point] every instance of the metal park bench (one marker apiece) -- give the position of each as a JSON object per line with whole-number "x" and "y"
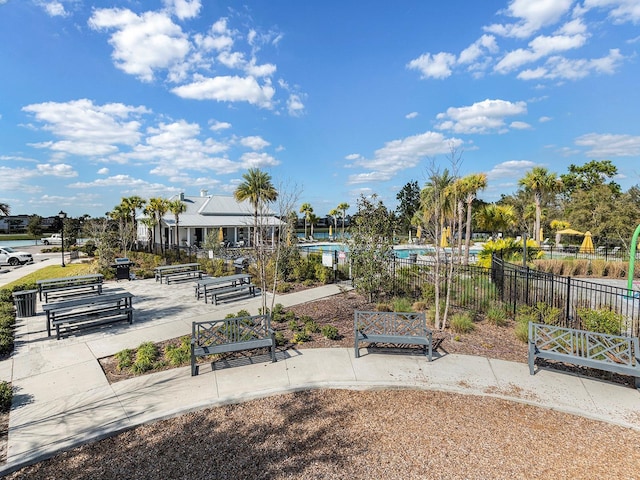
{"x": 612, "y": 353}
{"x": 207, "y": 287}
{"x": 184, "y": 271}
{"x": 399, "y": 328}
{"x": 231, "y": 335}
{"x": 89, "y": 311}
{"x": 69, "y": 285}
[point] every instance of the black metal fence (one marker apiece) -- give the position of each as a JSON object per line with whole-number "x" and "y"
{"x": 566, "y": 299}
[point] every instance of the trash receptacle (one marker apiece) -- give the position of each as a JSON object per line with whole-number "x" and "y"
{"x": 25, "y": 301}
{"x": 241, "y": 264}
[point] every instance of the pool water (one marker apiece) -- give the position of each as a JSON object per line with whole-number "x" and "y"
{"x": 401, "y": 251}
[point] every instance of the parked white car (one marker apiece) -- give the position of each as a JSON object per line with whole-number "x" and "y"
{"x": 55, "y": 239}
{"x": 13, "y": 257}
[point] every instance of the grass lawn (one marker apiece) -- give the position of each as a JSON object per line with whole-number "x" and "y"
{"x": 53, "y": 271}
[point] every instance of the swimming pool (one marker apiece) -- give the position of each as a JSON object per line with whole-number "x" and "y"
{"x": 401, "y": 251}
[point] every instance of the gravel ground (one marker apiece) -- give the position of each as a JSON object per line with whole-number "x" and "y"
{"x": 334, "y": 434}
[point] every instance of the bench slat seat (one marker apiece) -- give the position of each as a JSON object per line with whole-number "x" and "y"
{"x": 232, "y": 292}
{"x": 69, "y": 285}
{"x": 231, "y": 335}
{"x": 165, "y": 270}
{"x": 89, "y": 311}
{"x": 611, "y": 353}
{"x": 399, "y": 328}
{"x": 204, "y": 286}
{"x": 186, "y": 275}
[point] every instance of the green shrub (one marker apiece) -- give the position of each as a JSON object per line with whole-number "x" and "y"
{"x": 601, "y": 320}
{"x": 521, "y": 329}
{"x": 278, "y": 308}
{"x": 280, "y": 339}
{"x": 309, "y": 282}
{"x": 419, "y": 306}
{"x": 243, "y": 313}
{"x": 290, "y": 315}
{"x": 283, "y": 287}
{"x": 548, "y": 313}
{"x": 301, "y": 337}
{"x": 497, "y": 315}
{"x": 383, "y": 307}
{"x": 146, "y": 357}
{"x": 462, "y": 323}
{"x": 124, "y": 359}
{"x": 310, "y": 325}
{"x": 428, "y": 292}
{"x": 178, "y": 355}
{"x": 293, "y": 325}
{"x": 402, "y": 304}
{"x": 330, "y": 332}
{"x": 6, "y": 395}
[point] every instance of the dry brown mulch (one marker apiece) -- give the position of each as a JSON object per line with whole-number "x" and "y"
{"x": 486, "y": 340}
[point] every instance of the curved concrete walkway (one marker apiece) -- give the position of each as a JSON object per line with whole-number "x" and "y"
{"x": 62, "y": 398}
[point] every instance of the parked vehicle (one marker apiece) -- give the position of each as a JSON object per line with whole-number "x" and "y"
{"x": 54, "y": 239}
{"x": 13, "y": 257}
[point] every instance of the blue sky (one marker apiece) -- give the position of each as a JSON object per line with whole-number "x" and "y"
{"x": 102, "y": 100}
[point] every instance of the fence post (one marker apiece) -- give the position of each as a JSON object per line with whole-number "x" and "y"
{"x": 526, "y": 286}
{"x": 567, "y": 316}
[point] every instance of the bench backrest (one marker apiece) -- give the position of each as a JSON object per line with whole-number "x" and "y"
{"x": 177, "y": 268}
{"x": 74, "y": 281}
{"x": 230, "y": 330}
{"x": 87, "y": 301}
{"x": 391, "y": 323}
{"x": 583, "y": 344}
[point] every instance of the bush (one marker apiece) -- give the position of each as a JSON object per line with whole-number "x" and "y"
{"x": 601, "y": 321}
{"x": 293, "y": 325}
{"x": 6, "y": 396}
{"x": 462, "y": 323}
{"x": 428, "y": 292}
{"x": 124, "y": 359}
{"x": 6, "y": 341}
{"x": 323, "y": 274}
{"x": 330, "y": 332}
{"x": 384, "y": 307}
{"x": 310, "y": 325}
{"x": 497, "y": 315}
{"x": 548, "y": 313}
{"x": 283, "y": 287}
{"x": 301, "y": 337}
{"x": 522, "y": 330}
{"x": 179, "y": 354}
{"x": 402, "y": 305}
{"x": 419, "y": 306}
{"x": 146, "y": 357}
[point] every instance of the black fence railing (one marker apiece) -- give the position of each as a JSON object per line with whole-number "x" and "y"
{"x": 566, "y": 299}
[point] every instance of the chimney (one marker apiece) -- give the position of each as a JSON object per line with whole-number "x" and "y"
{"x": 182, "y": 196}
{"x": 203, "y": 192}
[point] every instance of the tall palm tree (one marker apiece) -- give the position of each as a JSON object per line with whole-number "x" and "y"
{"x": 158, "y": 207}
{"x": 149, "y": 221}
{"x": 335, "y": 213}
{"x": 5, "y": 209}
{"x": 307, "y": 209}
{"x": 313, "y": 219}
{"x": 496, "y": 218}
{"x": 436, "y": 202}
{"x": 133, "y": 204}
{"x": 258, "y": 190}
{"x": 540, "y": 181}
{"x": 343, "y": 207}
{"x": 177, "y": 207}
{"x": 471, "y": 184}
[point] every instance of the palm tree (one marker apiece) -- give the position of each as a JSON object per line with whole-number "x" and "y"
{"x": 177, "y": 207}
{"x": 158, "y": 207}
{"x": 436, "y": 202}
{"x": 496, "y": 218}
{"x": 150, "y": 222}
{"x": 335, "y": 213}
{"x": 258, "y": 190}
{"x": 307, "y": 209}
{"x": 343, "y": 207}
{"x": 5, "y": 209}
{"x": 313, "y": 218}
{"x": 540, "y": 181}
{"x": 471, "y": 184}
{"x": 133, "y": 204}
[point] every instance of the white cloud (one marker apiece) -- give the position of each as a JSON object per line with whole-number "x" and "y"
{"x": 353, "y": 156}
{"x": 184, "y": 8}
{"x": 142, "y": 43}
{"x": 433, "y": 66}
{"x": 544, "y": 119}
{"x": 401, "y": 154}
{"x": 254, "y": 142}
{"x": 411, "y": 115}
{"x": 482, "y": 117}
{"x": 57, "y": 170}
{"x": 53, "y": 8}
{"x": 486, "y": 43}
{"x": 622, "y": 11}
{"x": 509, "y": 169}
{"x": 229, "y": 89}
{"x": 531, "y": 16}
{"x": 258, "y": 160}
{"x": 216, "y": 125}
{"x": 610, "y": 145}
{"x": 88, "y": 129}
{"x": 573, "y": 69}
{"x": 295, "y": 107}
{"x": 103, "y": 171}
{"x": 520, "y": 125}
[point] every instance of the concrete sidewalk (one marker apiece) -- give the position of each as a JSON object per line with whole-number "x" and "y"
{"x": 62, "y": 397}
